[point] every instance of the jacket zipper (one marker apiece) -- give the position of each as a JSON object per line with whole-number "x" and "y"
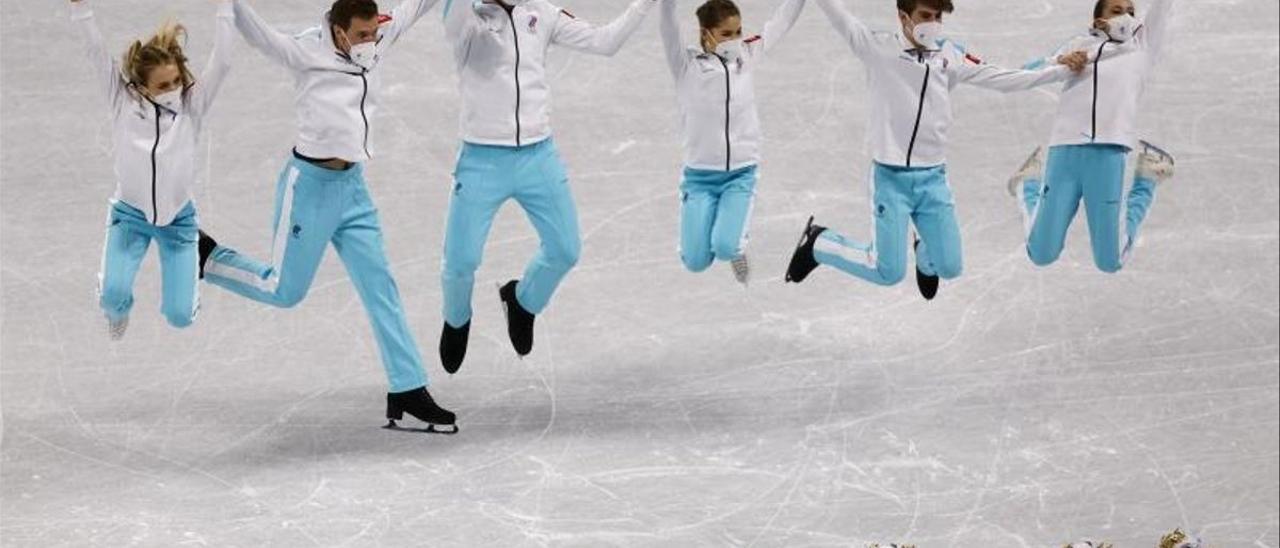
{"x": 364, "y": 96}
{"x": 515, "y": 35}
{"x": 728, "y": 97}
{"x": 155, "y": 209}
{"x": 1097, "y": 60}
{"x": 924, "y": 89}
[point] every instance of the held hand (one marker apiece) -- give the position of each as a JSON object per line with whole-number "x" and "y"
{"x": 1076, "y": 60}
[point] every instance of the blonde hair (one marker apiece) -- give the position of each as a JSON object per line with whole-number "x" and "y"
{"x": 163, "y": 48}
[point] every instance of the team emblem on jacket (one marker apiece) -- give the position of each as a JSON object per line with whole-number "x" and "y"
{"x": 533, "y": 23}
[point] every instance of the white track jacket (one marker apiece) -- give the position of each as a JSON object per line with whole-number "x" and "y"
{"x": 154, "y": 147}
{"x": 1100, "y": 105}
{"x": 910, "y": 89}
{"x": 717, "y": 97}
{"x": 334, "y": 99}
{"x": 501, "y": 60}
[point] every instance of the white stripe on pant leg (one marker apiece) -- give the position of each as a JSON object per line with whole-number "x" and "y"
{"x": 106, "y": 240}
{"x": 745, "y": 237}
{"x": 1124, "y": 240}
{"x": 195, "y": 284}
{"x": 219, "y": 270}
{"x": 280, "y": 243}
{"x": 1029, "y": 217}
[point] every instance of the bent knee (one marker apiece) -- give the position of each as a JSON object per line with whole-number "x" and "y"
{"x": 1041, "y": 257}
{"x": 180, "y": 319}
{"x": 696, "y": 263}
{"x": 727, "y": 251}
{"x": 950, "y": 270}
{"x": 892, "y": 274}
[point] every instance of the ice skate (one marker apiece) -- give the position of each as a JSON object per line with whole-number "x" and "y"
{"x": 116, "y": 328}
{"x": 453, "y": 346}
{"x": 207, "y": 245}
{"x": 927, "y": 283}
{"x": 1154, "y": 163}
{"x": 1088, "y": 544}
{"x": 802, "y": 261}
{"x": 419, "y": 404}
{"x": 741, "y": 269}
{"x": 1031, "y": 169}
{"x": 519, "y": 320}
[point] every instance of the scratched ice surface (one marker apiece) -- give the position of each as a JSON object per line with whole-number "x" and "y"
{"x": 1024, "y": 407}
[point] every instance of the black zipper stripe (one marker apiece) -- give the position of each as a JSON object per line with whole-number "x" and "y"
{"x": 515, "y": 35}
{"x": 155, "y": 208}
{"x": 924, "y": 89}
{"x": 1096, "y": 60}
{"x": 364, "y": 96}
{"x": 728, "y": 97}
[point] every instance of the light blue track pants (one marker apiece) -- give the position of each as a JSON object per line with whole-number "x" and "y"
{"x": 485, "y": 178}
{"x": 1096, "y": 174}
{"x": 129, "y": 234}
{"x": 315, "y": 207}
{"x": 901, "y": 195}
{"x": 714, "y": 213}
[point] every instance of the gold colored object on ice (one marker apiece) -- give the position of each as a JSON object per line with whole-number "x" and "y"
{"x": 1178, "y": 539}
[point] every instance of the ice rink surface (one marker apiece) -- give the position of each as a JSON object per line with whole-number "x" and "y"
{"x": 1024, "y": 407}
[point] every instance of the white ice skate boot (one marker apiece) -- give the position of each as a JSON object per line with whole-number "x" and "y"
{"x": 741, "y": 269}
{"x": 1031, "y": 168}
{"x": 1154, "y": 163}
{"x": 1089, "y": 544}
{"x": 116, "y": 328}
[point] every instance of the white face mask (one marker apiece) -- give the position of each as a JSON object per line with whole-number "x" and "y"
{"x": 729, "y": 50}
{"x": 1122, "y": 27}
{"x": 928, "y": 34}
{"x": 363, "y": 54}
{"x": 171, "y": 100}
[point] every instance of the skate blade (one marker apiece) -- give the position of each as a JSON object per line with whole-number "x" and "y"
{"x": 1159, "y": 151}
{"x": 443, "y": 430}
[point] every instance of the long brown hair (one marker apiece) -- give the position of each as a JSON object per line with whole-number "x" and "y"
{"x": 163, "y": 48}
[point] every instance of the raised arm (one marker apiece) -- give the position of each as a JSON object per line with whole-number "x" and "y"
{"x": 1154, "y": 33}
{"x": 606, "y": 40}
{"x": 278, "y": 46}
{"x": 669, "y": 27}
{"x": 219, "y": 64}
{"x": 104, "y": 66}
{"x": 853, "y": 31}
{"x": 997, "y": 78}
{"x": 783, "y": 19}
{"x": 403, "y": 17}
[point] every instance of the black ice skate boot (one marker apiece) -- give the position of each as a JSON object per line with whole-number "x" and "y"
{"x": 207, "y": 245}
{"x": 927, "y": 283}
{"x": 519, "y": 320}
{"x": 453, "y": 346}
{"x": 802, "y": 261}
{"x": 418, "y": 404}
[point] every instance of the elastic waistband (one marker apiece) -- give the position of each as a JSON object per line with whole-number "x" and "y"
{"x": 547, "y": 143}
{"x": 1099, "y": 147}
{"x": 127, "y": 210}
{"x": 910, "y": 169}
{"x": 699, "y": 172}
{"x": 315, "y": 172}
